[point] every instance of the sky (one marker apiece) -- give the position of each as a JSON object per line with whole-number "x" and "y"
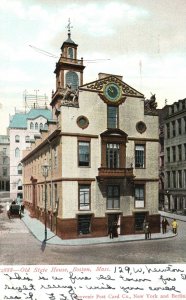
{"x": 142, "y": 40}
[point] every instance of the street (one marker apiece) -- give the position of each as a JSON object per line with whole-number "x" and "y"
{"x": 19, "y": 246}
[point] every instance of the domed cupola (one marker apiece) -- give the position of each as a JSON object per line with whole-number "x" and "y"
{"x": 69, "y": 47}
{"x": 69, "y": 69}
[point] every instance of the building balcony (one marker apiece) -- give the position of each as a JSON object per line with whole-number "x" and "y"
{"x": 106, "y": 173}
{"x": 72, "y": 61}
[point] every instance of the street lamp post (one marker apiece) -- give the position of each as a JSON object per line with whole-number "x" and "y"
{"x": 45, "y": 168}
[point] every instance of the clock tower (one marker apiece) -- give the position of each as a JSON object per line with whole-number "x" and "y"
{"x": 69, "y": 76}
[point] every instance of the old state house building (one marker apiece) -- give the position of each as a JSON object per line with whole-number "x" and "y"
{"x": 101, "y": 153}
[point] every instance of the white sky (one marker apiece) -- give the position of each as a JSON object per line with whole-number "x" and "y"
{"x": 128, "y": 32}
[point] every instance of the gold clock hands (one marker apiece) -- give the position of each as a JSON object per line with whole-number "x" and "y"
{"x": 111, "y": 90}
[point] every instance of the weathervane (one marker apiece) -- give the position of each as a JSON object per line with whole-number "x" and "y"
{"x": 69, "y": 27}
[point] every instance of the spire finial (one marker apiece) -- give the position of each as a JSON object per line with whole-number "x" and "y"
{"x": 69, "y": 27}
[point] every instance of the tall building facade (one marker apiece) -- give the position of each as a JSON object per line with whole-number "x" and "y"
{"x": 22, "y": 129}
{"x": 175, "y": 156}
{"x": 102, "y": 156}
{"x": 4, "y": 163}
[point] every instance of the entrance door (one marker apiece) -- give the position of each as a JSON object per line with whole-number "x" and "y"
{"x": 114, "y": 219}
{"x": 139, "y": 220}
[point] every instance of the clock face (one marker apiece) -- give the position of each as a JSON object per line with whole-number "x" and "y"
{"x": 112, "y": 91}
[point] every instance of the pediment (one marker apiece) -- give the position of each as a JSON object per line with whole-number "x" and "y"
{"x": 115, "y": 132}
{"x": 98, "y": 86}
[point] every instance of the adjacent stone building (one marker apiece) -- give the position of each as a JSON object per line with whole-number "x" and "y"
{"x": 102, "y": 150}
{"x": 175, "y": 156}
{"x": 23, "y": 127}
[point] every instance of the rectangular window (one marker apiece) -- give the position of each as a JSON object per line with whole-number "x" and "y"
{"x": 185, "y": 151}
{"x": 55, "y": 158}
{"x": 4, "y": 160}
{"x": 168, "y": 130}
{"x": 55, "y": 193}
{"x": 4, "y": 151}
{"x": 50, "y": 195}
{"x": 17, "y": 138}
{"x": 173, "y": 129}
{"x": 168, "y": 179}
{"x": 4, "y": 171}
{"x": 112, "y": 156}
{"x": 185, "y": 124}
{"x": 84, "y": 154}
{"x": 42, "y": 194}
{"x": 27, "y": 139}
{"x": 168, "y": 154}
{"x": 112, "y": 116}
{"x": 140, "y": 196}
{"x": 173, "y": 153}
{"x": 113, "y": 197}
{"x": 84, "y": 224}
{"x": 174, "y": 178}
{"x": 84, "y": 197}
{"x": 184, "y": 178}
{"x": 179, "y": 179}
{"x": 179, "y": 126}
{"x": 139, "y": 156}
{"x": 179, "y": 152}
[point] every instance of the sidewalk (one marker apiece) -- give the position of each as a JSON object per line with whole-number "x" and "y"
{"x": 37, "y": 229}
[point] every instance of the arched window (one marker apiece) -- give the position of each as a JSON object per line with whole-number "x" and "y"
{"x": 31, "y": 125}
{"x": 72, "y": 80}
{"x": 17, "y": 138}
{"x": 70, "y": 53}
{"x": 19, "y": 169}
{"x": 36, "y": 126}
{"x": 41, "y": 126}
{"x": 17, "y": 152}
{"x": 27, "y": 139}
{"x": 45, "y": 126}
{"x": 19, "y": 185}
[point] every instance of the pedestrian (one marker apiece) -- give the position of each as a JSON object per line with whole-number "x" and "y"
{"x": 8, "y": 209}
{"x": 164, "y": 224}
{"x": 111, "y": 231}
{"x": 22, "y": 208}
{"x": 115, "y": 229}
{"x": 147, "y": 230}
{"x": 174, "y": 226}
